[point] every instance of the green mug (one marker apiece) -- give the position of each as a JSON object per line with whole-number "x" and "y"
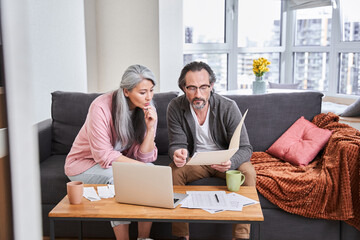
{"x": 234, "y": 179}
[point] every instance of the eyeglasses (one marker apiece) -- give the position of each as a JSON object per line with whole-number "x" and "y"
{"x": 202, "y": 88}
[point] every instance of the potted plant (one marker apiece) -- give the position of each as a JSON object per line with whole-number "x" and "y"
{"x": 260, "y": 67}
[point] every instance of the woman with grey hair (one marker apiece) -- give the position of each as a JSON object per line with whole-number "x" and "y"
{"x": 120, "y": 127}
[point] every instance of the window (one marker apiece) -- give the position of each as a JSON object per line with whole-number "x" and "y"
{"x": 209, "y": 28}
{"x": 350, "y": 22}
{"x": 313, "y": 26}
{"x": 317, "y": 47}
{"x": 222, "y": 35}
{"x": 259, "y": 26}
{"x": 205, "y": 37}
{"x": 348, "y": 53}
{"x": 245, "y": 74}
{"x": 311, "y": 70}
{"x": 312, "y": 31}
{"x": 259, "y": 30}
{"x": 217, "y": 62}
{"x": 349, "y": 82}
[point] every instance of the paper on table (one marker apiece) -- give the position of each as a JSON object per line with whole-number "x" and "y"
{"x": 112, "y": 188}
{"x": 207, "y": 200}
{"x": 104, "y": 192}
{"x": 90, "y": 194}
{"x": 212, "y": 211}
{"x": 220, "y": 156}
{"x": 245, "y": 201}
{"x": 235, "y": 203}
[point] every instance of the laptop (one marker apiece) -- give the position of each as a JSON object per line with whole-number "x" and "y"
{"x": 143, "y": 184}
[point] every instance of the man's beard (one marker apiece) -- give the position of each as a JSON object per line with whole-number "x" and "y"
{"x": 198, "y": 106}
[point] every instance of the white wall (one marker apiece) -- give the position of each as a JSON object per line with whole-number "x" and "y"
{"x": 44, "y": 51}
{"x": 127, "y": 32}
{"x": 23, "y": 154}
{"x": 121, "y": 33}
{"x": 58, "y": 53}
{"x": 46, "y": 48}
{"x": 91, "y": 46}
{"x": 171, "y": 43}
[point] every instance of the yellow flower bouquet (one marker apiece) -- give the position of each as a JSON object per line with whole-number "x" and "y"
{"x": 260, "y": 66}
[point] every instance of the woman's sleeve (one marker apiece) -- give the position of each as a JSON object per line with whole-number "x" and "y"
{"x": 145, "y": 157}
{"x": 99, "y": 132}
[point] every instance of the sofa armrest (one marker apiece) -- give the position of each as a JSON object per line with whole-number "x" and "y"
{"x": 351, "y": 121}
{"x": 44, "y": 138}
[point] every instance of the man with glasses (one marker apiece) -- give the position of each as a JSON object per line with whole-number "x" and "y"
{"x": 201, "y": 120}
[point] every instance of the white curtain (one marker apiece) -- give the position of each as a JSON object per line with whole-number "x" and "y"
{"x": 299, "y": 4}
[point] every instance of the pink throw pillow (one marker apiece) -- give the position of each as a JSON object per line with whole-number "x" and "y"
{"x": 300, "y": 144}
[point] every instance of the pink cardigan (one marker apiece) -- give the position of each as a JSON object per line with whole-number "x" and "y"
{"x": 95, "y": 141}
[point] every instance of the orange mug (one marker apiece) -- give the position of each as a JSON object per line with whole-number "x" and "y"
{"x": 75, "y": 190}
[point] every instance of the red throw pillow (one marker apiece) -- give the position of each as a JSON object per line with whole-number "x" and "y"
{"x": 300, "y": 144}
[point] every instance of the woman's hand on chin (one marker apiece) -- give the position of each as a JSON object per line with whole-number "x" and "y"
{"x": 150, "y": 117}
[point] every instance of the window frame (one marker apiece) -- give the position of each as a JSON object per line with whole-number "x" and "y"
{"x": 286, "y": 50}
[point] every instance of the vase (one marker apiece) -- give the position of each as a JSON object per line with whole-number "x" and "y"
{"x": 259, "y": 86}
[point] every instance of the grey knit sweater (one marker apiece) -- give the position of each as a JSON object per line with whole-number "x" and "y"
{"x": 224, "y": 118}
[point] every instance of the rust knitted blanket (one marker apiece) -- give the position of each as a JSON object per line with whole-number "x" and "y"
{"x": 327, "y": 188}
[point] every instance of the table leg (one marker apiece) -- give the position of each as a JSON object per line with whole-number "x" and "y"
{"x": 80, "y": 230}
{"x": 52, "y": 230}
{"x": 256, "y": 231}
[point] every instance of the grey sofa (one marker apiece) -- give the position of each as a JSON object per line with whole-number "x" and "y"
{"x": 269, "y": 116}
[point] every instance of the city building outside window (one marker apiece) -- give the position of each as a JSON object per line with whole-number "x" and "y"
{"x": 316, "y": 47}
{"x": 349, "y": 77}
{"x": 313, "y": 33}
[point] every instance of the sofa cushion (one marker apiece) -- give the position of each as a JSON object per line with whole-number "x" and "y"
{"x": 284, "y": 85}
{"x": 69, "y": 111}
{"x": 163, "y": 160}
{"x": 53, "y": 179}
{"x": 352, "y": 110}
{"x": 281, "y": 225}
{"x": 300, "y": 143}
{"x": 270, "y": 115}
{"x": 209, "y": 181}
{"x": 161, "y": 101}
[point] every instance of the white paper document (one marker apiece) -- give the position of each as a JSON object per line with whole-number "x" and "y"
{"x": 220, "y": 156}
{"x": 111, "y": 188}
{"x": 216, "y": 201}
{"x": 90, "y": 194}
{"x": 235, "y": 203}
{"x": 212, "y": 211}
{"x": 207, "y": 200}
{"x": 105, "y": 192}
{"x": 244, "y": 201}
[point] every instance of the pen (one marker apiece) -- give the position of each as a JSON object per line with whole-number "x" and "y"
{"x": 217, "y": 199}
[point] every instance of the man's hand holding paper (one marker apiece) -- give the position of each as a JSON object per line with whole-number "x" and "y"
{"x": 222, "y": 167}
{"x": 220, "y": 156}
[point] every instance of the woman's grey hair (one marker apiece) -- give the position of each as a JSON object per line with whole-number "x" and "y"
{"x": 125, "y": 123}
{"x": 195, "y": 67}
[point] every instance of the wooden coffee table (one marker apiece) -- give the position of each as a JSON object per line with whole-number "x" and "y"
{"x": 110, "y": 210}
